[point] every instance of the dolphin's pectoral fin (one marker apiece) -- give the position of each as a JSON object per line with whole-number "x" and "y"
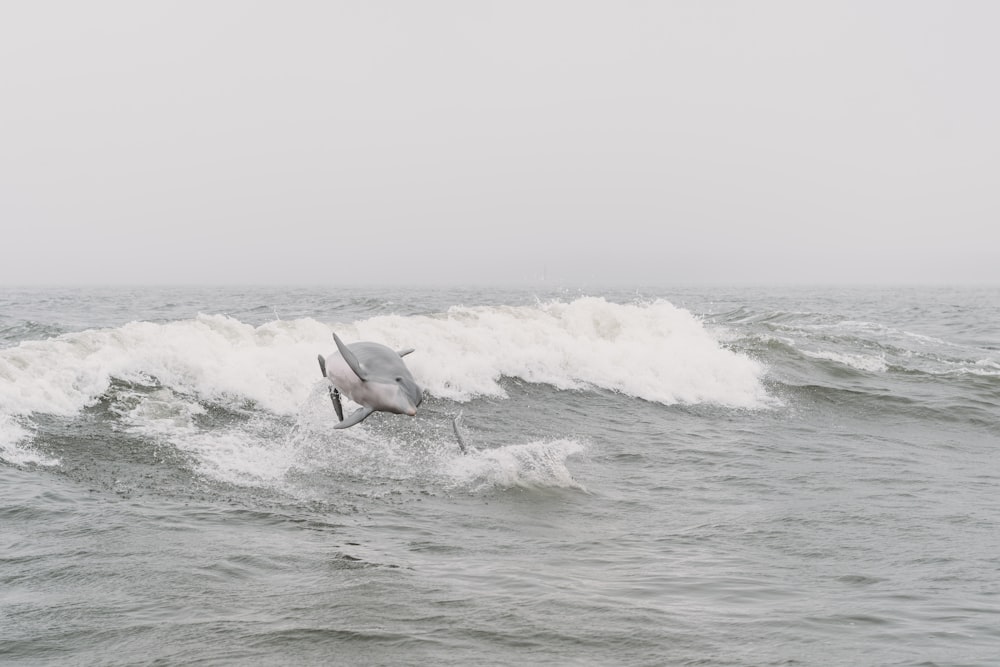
{"x": 356, "y": 417}
{"x": 349, "y": 357}
{"x": 334, "y": 392}
{"x": 335, "y": 397}
{"x": 405, "y": 352}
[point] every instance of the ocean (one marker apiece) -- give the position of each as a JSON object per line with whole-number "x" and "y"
{"x": 656, "y": 476}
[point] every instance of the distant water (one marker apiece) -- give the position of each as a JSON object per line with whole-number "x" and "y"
{"x": 660, "y": 477}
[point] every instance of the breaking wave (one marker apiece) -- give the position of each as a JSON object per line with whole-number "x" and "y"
{"x": 652, "y": 351}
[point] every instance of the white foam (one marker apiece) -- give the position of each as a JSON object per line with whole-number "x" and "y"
{"x": 161, "y": 412}
{"x": 859, "y": 362}
{"x": 982, "y": 368}
{"x": 213, "y": 357}
{"x": 532, "y": 465}
{"x": 243, "y": 455}
{"x": 652, "y": 351}
{"x": 237, "y": 456}
{"x": 988, "y": 367}
{"x": 14, "y": 447}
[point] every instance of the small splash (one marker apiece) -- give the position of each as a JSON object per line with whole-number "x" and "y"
{"x": 306, "y": 458}
{"x": 538, "y": 464}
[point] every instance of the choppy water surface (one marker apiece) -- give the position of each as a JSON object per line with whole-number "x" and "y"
{"x": 660, "y": 476}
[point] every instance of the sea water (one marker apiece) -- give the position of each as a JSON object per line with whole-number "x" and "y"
{"x": 658, "y": 476}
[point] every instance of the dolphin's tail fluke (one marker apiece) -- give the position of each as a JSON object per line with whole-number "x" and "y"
{"x": 334, "y": 392}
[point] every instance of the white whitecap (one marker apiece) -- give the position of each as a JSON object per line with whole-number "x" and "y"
{"x": 15, "y": 448}
{"x": 652, "y": 351}
{"x": 861, "y": 362}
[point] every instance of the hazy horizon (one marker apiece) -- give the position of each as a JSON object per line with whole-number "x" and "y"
{"x": 449, "y": 143}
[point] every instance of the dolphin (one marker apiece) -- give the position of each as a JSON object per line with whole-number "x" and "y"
{"x": 373, "y": 376}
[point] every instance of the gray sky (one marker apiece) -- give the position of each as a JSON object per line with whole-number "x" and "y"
{"x": 482, "y": 142}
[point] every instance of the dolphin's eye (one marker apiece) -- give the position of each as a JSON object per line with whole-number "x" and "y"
{"x": 399, "y": 379}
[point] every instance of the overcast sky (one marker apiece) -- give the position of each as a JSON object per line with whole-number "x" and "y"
{"x": 486, "y": 142}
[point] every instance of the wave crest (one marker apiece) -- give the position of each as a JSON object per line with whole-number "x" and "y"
{"x": 654, "y": 351}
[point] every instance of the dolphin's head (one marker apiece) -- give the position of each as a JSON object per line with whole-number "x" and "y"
{"x": 410, "y": 395}
{"x": 401, "y": 397}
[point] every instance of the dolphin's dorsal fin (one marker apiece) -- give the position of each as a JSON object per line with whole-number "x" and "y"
{"x": 405, "y": 352}
{"x": 351, "y": 360}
